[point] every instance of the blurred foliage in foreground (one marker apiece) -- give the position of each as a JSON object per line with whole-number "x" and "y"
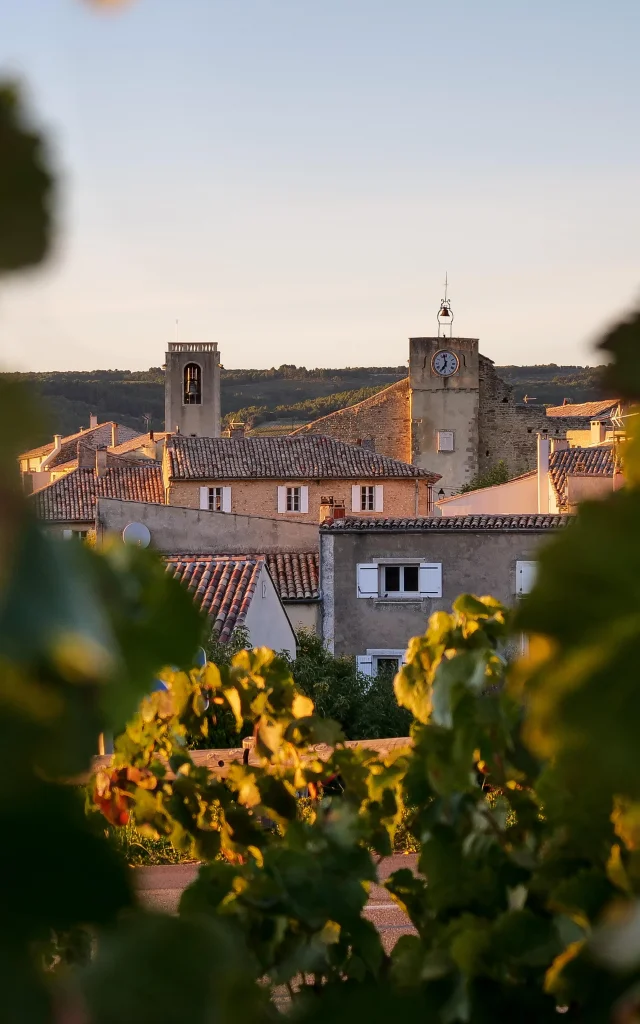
{"x": 524, "y": 788}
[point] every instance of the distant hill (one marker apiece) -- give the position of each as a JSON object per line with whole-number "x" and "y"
{"x": 267, "y": 399}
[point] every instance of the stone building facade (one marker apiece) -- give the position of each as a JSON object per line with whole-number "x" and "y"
{"x": 457, "y": 425}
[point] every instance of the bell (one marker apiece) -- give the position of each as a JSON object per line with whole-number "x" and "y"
{"x": 193, "y": 388}
{"x": 444, "y": 311}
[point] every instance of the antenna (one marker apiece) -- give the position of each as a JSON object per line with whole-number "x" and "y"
{"x": 177, "y": 330}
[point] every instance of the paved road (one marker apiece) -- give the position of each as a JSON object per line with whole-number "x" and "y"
{"x": 160, "y": 888}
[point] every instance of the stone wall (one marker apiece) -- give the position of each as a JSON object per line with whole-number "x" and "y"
{"x": 508, "y": 431}
{"x": 401, "y": 496}
{"x": 384, "y": 417}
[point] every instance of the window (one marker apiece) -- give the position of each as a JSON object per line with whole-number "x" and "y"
{"x": 293, "y": 499}
{"x": 445, "y": 441}
{"x": 215, "y": 499}
{"x": 380, "y": 662}
{"x": 367, "y": 498}
{"x": 192, "y": 384}
{"x": 399, "y": 580}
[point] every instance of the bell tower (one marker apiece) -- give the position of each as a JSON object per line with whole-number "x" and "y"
{"x": 444, "y": 386}
{"x": 192, "y": 388}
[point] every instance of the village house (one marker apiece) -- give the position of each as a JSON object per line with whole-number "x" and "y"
{"x": 235, "y": 591}
{"x": 40, "y": 466}
{"x": 291, "y": 477}
{"x": 290, "y": 548}
{"x": 381, "y": 579}
{"x": 564, "y": 477}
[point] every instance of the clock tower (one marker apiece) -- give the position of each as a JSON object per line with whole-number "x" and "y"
{"x": 444, "y": 388}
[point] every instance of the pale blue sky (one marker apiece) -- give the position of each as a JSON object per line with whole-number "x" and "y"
{"x": 293, "y": 178}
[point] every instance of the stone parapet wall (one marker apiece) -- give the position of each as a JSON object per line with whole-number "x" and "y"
{"x": 384, "y": 417}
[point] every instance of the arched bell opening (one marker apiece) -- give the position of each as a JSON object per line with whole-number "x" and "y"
{"x": 192, "y": 384}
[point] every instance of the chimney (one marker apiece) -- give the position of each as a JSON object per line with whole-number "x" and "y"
{"x": 114, "y": 434}
{"x": 57, "y": 444}
{"x": 565, "y": 401}
{"x": 237, "y": 429}
{"x": 86, "y": 456}
{"x": 543, "y": 472}
{"x": 93, "y": 421}
{"x": 369, "y": 443}
{"x": 101, "y": 460}
{"x": 598, "y": 431}
{"x": 559, "y": 444}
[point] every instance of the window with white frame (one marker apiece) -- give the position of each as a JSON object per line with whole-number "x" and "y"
{"x": 381, "y": 662}
{"x": 445, "y": 441}
{"x": 367, "y": 498}
{"x": 216, "y": 498}
{"x": 293, "y": 498}
{"x": 399, "y": 580}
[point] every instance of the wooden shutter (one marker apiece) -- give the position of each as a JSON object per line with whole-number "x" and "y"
{"x": 304, "y": 499}
{"x": 282, "y": 499}
{"x": 525, "y": 577}
{"x": 356, "y": 498}
{"x": 364, "y": 664}
{"x": 368, "y": 581}
{"x": 204, "y": 498}
{"x": 430, "y": 579}
{"x": 226, "y": 499}
{"x": 378, "y": 503}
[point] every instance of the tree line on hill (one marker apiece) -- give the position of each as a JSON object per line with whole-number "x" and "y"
{"x": 288, "y": 395}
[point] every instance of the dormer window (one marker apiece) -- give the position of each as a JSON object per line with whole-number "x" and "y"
{"x": 192, "y": 384}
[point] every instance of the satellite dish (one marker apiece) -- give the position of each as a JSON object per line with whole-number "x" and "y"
{"x": 137, "y": 534}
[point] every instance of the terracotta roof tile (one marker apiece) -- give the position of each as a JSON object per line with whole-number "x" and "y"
{"x": 442, "y": 523}
{"x": 72, "y": 498}
{"x": 94, "y": 437}
{"x": 584, "y": 410}
{"x": 596, "y": 461}
{"x": 280, "y": 458}
{"x": 295, "y": 575}
{"x": 222, "y": 586}
{"x": 133, "y": 443}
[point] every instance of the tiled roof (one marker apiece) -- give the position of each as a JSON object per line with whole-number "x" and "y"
{"x": 442, "y": 523}
{"x": 295, "y": 575}
{"x": 133, "y": 443}
{"x": 93, "y": 437}
{"x": 280, "y": 458}
{"x": 72, "y": 498}
{"x": 596, "y": 461}
{"x": 584, "y": 410}
{"x": 222, "y": 586}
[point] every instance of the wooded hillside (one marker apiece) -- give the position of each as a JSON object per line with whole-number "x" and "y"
{"x": 279, "y": 398}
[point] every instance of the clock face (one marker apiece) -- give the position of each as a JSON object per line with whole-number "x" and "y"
{"x": 445, "y": 363}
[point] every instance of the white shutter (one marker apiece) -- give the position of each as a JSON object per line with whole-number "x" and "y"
{"x": 356, "y": 498}
{"x": 364, "y": 663}
{"x": 368, "y": 581}
{"x": 204, "y": 498}
{"x": 226, "y": 499}
{"x": 282, "y": 499}
{"x": 379, "y": 504}
{"x": 525, "y": 576}
{"x": 430, "y": 574}
{"x": 304, "y": 499}
{"x": 67, "y": 534}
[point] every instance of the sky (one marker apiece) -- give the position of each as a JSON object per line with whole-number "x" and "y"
{"x": 293, "y": 178}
